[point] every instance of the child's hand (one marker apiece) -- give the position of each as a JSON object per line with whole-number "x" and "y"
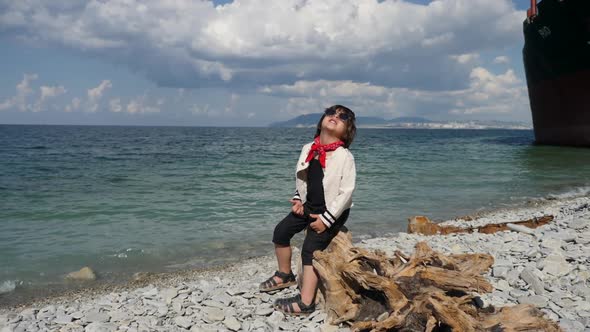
{"x": 317, "y": 225}
{"x": 297, "y": 207}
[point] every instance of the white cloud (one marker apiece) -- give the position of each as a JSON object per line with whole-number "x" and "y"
{"x": 73, "y": 105}
{"x": 52, "y": 91}
{"x": 204, "y": 110}
{"x": 266, "y": 42}
{"x": 326, "y": 88}
{"x": 20, "y": 99}
{"x": 232, "y": 103}
{"x": 95, "y": 95}
{"x": 92, "y": 101}
{"x": 488, "y": 93}
{"x": 501, "y": 59}
{"x": 465, "y": 58}
{"x": 5, "y": 105}
{"x": 139, "y": 105}
{"x": 115, "y": 105}
{"x": 47, "y": 92}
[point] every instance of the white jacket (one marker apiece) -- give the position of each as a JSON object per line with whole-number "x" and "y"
{"x": 339, "y": 182}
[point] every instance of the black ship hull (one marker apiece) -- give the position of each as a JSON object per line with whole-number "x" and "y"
{"x": 557, "y": 66}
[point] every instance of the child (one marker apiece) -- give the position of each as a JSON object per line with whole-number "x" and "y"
{"x": 325, "y": 180}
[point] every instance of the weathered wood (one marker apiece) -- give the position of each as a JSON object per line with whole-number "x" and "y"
{"x": 422, "y": 225}
{"x": 427, "y": 291}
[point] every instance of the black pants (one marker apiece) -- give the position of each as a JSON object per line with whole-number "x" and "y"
{"x": 292, "y": 224}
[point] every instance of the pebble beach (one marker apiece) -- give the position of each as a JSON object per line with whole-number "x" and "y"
{"x": 548, "y": 267}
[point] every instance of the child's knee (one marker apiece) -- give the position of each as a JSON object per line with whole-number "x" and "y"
{"x": 306, "y": 257}
{"x": 281, "y": 236}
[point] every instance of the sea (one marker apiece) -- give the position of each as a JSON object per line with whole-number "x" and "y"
{"x": 127, "y": 199}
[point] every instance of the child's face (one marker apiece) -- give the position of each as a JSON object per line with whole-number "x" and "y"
{"x": 335, "y": 125}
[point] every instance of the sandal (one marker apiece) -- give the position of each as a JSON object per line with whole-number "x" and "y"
{"x": 286, "y": 306}
{"x": 288, "y": 280}
{"x": 285, "y": 300}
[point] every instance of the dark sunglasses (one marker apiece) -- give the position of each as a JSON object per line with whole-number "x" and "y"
{"x": 344, "y": 116}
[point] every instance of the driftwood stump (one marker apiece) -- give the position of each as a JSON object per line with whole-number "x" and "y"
{"x": 422, "y": 225}
{"x": 427, "y": 291}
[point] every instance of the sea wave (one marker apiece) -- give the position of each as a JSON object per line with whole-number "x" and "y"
{"x": 573, "y": 193}
{"x": 8, "y": 286}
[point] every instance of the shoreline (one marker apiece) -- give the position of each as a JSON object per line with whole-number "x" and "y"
{"x": 478, "y": 217}
{"x": 223, "y": 297}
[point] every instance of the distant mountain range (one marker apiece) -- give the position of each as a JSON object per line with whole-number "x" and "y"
{"x": 311, "y": 120}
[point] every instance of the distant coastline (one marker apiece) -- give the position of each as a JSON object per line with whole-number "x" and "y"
{"x": 310, "y": 121}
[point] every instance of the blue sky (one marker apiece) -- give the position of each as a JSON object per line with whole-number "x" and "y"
{"x": 224, "y": 63}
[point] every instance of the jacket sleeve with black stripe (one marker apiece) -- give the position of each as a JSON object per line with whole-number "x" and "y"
{"x": 343, "y": 199}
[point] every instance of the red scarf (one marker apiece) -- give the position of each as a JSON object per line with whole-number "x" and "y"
{"x": 317, "y": 148}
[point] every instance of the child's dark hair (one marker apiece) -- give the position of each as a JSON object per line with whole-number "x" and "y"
{"x": 350, "y": 124}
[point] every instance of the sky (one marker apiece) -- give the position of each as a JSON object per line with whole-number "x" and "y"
{"x": 254, "y": 62}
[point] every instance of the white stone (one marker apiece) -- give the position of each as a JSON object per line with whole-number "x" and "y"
{"x": 48, "y": 309}
{"x": 168, "y": 294}
{"x": 556, "y": 265}
{"x": 197, "y": 328}
{"x": 177, "y": 306}
{"x": 583, "y": 239}
{"x": 537, "y": 300}
{"x": 234, "y": 291}
{"x": 530, "y": 278}
{"x": 225, "y": 299}
{"x": 28, "y": 313}
{"x": 118, "y": 316}
{"x": 579, "y": 224}
{"x": 264, "y": 311}
{"x": 248, "y": 295}
{"x": 213, "y": 304}
{"x": 503, "y": 285}
{"x": 138, "y": 310}
{"x": 582, "y": 306}
{"x": 500, "y": 271}
{"x": 213, "y": 314}
{"x": 512, "y": 276}
{"x": 184, "y": 322}
{"x": 570, "y": 325}
{"x": 232, "y": 323}
{"x": 150, "y": 293}
{"x": 286, "y": 326}
{"x": 162, "y": 311}
{"x": 552, "y": 243}
{"x": 566, "y": 303}
{"x": 320, "y": 317}
{"x": 100, "y": 327}
{"x": 62, "y": 319}
{"x": 258, "y": 324}
{"x": 97, "y": 316}
{"x": 275, "y": 319}
{"x": 551, "y": 314}
{"x": 518, "y": 293}
{"x": 264, "y": 297}
{"x": 581, "y": 290}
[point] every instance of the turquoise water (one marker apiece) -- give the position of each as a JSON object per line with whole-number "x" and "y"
{"x": 128, "y": 199}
